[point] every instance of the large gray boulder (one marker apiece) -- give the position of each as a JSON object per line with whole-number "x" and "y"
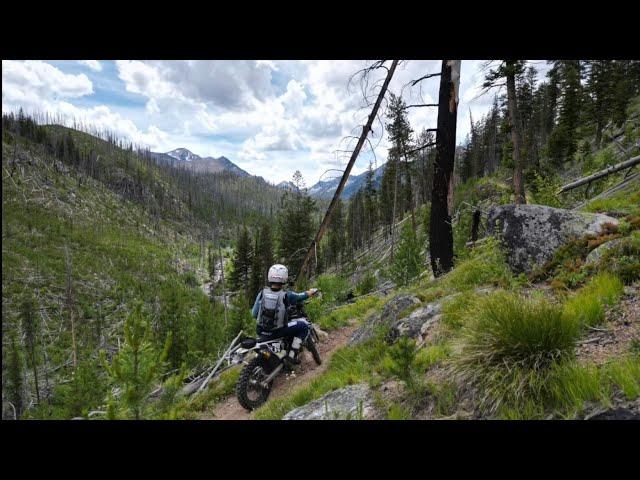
{"x": 354, "y": 402}
{"x": 532, "y": 233}
{"x": 389, "y": 314}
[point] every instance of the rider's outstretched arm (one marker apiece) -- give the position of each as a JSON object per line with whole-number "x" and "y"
{"x": 294, "y": 297}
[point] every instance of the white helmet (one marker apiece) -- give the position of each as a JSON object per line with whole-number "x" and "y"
{"x": 278, "y": 274}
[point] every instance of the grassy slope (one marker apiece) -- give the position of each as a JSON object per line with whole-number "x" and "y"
{"x": 117, "y": 252}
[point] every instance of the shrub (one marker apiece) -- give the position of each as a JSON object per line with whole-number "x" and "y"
{"x": 333, "y": 287}
{"x": 509, "y": 344}
{"x": 623, "y": 259}
{"x": 544, "y": 189}
{"x": 367, "y": 284}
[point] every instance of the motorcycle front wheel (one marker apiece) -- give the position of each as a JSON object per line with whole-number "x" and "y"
{"x": 312, "y": 347}
{"x": 248, "y": 390}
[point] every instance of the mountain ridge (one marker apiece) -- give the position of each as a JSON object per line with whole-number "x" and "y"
{"x": 198, "y": 163}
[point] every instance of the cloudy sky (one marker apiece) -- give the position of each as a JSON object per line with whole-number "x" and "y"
{"x": 268, "y": 117}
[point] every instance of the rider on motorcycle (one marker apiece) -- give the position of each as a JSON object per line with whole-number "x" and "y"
{"x": 270, "y": 310}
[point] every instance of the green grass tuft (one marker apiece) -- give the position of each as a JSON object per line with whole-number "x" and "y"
{"x": 508, "y": 346}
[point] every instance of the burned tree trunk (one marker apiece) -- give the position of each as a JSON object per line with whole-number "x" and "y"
{"x": 440, "y": 231}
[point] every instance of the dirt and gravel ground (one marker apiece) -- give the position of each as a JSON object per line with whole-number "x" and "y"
{"x": 616, "y": 335}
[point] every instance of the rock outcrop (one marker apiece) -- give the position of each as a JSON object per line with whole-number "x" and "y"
{"x": 389, "y": 314}
{"x": 595, "y": 254}
{"x": 621, "y": 411}
{"x": 532, "y": 233}
{"x": 418, "y": 323}
{"x": 354, "y": 402}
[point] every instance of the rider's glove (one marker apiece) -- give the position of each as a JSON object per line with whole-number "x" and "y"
{"x": 313, "y": 291}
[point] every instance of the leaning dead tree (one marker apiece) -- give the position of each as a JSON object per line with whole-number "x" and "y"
{"x": 602, "y": 173}
{"x": 363, "y": 136}
{"x": 440, "y": 231}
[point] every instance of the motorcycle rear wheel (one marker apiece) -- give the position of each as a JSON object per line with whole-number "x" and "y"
{"x": 249, "y": 392}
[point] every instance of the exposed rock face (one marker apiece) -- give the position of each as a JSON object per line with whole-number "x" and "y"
{"x": 388, "y": 316}
{"x": 353, "y": 402}
{"x": 418, "y": 323}
{"x": 597, "y": 253}
{"x": 622, "y": 411}
{"x": 532, "y": 233}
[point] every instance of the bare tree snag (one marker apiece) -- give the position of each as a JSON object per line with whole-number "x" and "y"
{"x": 345, "y": 176}
{"x": 440, "y": 232}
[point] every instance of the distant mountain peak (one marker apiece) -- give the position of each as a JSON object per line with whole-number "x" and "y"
{"x": 201, "y": 164}
{"x": 183, "y": 154}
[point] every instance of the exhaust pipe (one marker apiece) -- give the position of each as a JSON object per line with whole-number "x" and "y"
{"x": 272, "y": 375}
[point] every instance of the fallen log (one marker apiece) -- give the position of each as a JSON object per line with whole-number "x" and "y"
{"x": 602, "y": 173}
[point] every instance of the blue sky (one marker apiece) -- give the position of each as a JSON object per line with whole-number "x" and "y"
{"x": 268, "y": 117}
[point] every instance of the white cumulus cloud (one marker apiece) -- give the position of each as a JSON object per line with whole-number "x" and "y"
{"x": 94, "y": 65}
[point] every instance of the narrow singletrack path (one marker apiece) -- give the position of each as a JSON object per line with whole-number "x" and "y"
{"x": 230, "y": 409}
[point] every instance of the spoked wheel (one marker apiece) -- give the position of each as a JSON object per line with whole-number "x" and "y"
{"x": 251, "y": 394}
{"x": 312, "y": 347}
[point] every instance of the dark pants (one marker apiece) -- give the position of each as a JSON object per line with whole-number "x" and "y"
{"x": 295, "y": 328}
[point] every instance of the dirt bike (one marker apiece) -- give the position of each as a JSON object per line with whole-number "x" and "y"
{"x": 263, "y": 361}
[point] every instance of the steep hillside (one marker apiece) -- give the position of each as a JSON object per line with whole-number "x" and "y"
{"x": 220, "y": 200}
{"x": 84, "y": 244}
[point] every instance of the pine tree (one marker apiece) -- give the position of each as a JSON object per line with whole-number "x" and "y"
{"x": 509, "y": 69}
{"x": 240, "y": 277}
{"x": 137, "y": 365}
{"x": 173, "y": 323}
{"x": 295, "y": 225}
{"x": 407, "y": 263}
{"x": 563, "y": 141}
{"x": 599, "y": 95}
{"x": 398, "y": 184}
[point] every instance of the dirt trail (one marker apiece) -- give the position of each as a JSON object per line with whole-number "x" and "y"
{"x": 230, "y": 409}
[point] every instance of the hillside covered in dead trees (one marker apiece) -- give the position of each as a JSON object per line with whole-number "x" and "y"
{"x": 497, "y": 278}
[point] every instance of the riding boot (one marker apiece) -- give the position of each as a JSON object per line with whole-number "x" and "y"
{"x": 293, "y": 357}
